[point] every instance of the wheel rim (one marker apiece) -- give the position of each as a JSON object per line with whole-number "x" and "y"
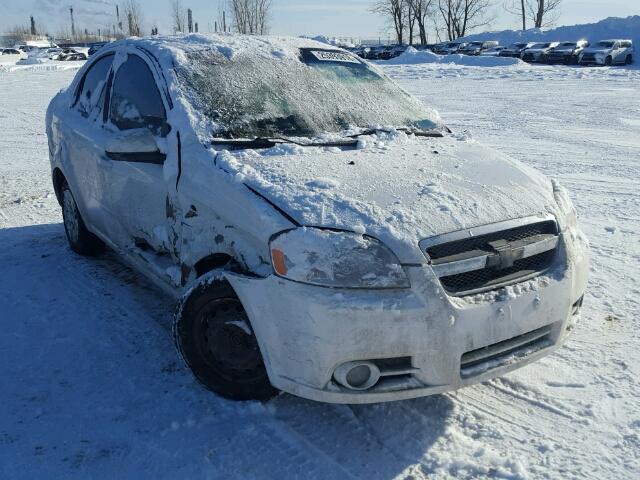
{"x": 70, "y": 217}
{"x": 225, "y": 341}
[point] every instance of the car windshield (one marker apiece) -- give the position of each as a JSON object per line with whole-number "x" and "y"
{"x": 540, "y": 45}
{"x": 568, "y": 44}
{"x": 605, "y": 44}
{"x": 263, "y": 95}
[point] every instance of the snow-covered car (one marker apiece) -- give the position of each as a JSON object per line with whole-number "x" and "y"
{"x": 566, "y": 52}
{"x": 537, "y": 51}
{"x": 322, "y": 230}
{"x": 449, "y": 48}
{"x": 476, "y": 48}
{"x": 609, "y": 52}
{"x": 68, "y": 55}
{"x": 516, "y": 49}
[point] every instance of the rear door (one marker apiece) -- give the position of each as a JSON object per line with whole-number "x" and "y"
{"x": 133, "y": 174}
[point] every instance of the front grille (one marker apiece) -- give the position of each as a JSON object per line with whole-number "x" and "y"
{"x": 588, "y": 57}
{"x": 489, "y": 275}
{"x": 481, "y": 242}
{"x": 488, "y": 278}
{"x": 476, "y": 362}
{"x": 528, "y": 57}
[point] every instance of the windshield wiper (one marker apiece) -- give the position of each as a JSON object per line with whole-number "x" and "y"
{"x": 412, "y": 131}
{"x": 260, "y": 143}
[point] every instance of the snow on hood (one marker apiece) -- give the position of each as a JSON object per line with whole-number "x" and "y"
{"x": 399, "y": 190}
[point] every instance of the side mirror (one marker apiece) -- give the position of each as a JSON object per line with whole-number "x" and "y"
{"x": 138, "y": 140}
{"x": 136, "y": 146}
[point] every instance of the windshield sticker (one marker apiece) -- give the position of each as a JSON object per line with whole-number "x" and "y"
{"x": 334, "y": 56}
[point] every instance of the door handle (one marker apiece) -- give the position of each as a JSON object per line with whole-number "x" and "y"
{"x": 156, "y": 158}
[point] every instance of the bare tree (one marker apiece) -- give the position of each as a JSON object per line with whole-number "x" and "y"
{"x": 421, "y": 11}
{"x": 251, "y": 16}
{"x": 396, "y": 12}
{"x": 462, "y": 16}
{"x": 518, "y": 8}
{"x": 133, "y": 13}
{"x": 543, "y": 12}
{"x": 178, "y": 16}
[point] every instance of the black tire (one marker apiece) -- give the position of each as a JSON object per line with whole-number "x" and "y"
{"x": 81, "y": 240}
{"x": 608, "y": 61}
{"x": 628, "y": 60}
{"x": 215, "y": 339}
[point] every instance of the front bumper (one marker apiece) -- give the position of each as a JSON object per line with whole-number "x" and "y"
{"x": 305, "y": 332}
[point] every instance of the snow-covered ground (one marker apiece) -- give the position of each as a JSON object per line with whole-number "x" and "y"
{"x": 91, "y": 387}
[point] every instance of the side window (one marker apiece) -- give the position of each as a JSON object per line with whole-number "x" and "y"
{"x": 92, "y": 87}
{"x": 135, "y": 98}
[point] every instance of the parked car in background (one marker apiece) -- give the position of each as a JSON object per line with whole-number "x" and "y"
{"x": 448, "y": 48}
{"x": 476, "y": 48}
{"x": 311, "y": 269}
{"x": 68, "y": 54}
{"x": 608, "y": 52}
{"x": 515, "y": 49}
{"x": 14, "y": 53}
{"x": 537, "y": 51}
{"x": 95, "y": 47}
{"x": 566, "y": 52}
{"x": 492, "y": 52}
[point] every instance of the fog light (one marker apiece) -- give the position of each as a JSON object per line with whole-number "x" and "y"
{"x": 357, "y": 375}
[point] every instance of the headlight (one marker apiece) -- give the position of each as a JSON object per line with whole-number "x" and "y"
{"x": 570, "y": 217}
{"x": 336, "y": 259}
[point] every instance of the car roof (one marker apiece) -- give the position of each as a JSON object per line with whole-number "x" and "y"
{"x": 173, "y": 49}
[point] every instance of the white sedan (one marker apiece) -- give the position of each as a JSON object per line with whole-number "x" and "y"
{"x": 322, "y": 231}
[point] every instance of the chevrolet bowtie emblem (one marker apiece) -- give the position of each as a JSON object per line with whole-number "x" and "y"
{"x": 506, "y": 254}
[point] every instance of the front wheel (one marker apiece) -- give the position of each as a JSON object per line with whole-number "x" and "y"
{"x": 80, "y": 239}
{"x": 608, "y": 61}
{"x": 215, "y": 338}
{"x": 628, "y": 60}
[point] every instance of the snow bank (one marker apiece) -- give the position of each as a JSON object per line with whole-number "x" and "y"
{"x": 612, "y": 27}
{"x": 412, "y": 57}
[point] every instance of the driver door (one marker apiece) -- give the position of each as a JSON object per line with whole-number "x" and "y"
{"x": 133, "y": 161}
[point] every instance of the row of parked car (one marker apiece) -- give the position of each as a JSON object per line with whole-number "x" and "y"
{"x": 604, "y": 52}
{"x": 67, "y": 54}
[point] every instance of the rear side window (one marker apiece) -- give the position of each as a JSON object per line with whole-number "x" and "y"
{"x": 92, "y": 88}
{"x": 135, "y": 98}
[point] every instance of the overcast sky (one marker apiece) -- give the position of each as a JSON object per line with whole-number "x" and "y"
{"x": 290, "y": 17}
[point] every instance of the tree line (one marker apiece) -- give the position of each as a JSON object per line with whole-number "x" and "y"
{"x": 410, "y": 20}
{"x": 244, "y": 16}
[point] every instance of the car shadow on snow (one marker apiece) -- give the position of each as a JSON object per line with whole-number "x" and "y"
{"x": 93, "y": 385}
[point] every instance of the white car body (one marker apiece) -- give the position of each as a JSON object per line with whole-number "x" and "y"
{"x": 11, "y": 55}
{"x": 536, "y": 52}
{"x": 192, "y": 203}
{"x": 609, "y": 52}
{"x": 492, "y": 52}
{"x": 476, "y": 48}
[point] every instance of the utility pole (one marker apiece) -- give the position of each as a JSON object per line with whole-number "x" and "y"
{"x": 73, "y": 25}
{"x": 196, "y": 27}
{"x": 118, "y": 18}
{"x": 189, "y": 20}
{"x": 33, "y": 26}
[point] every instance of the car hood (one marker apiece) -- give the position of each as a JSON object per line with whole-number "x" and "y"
{"x": 399, "y": 191}
{"x": 596, "y": 50}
